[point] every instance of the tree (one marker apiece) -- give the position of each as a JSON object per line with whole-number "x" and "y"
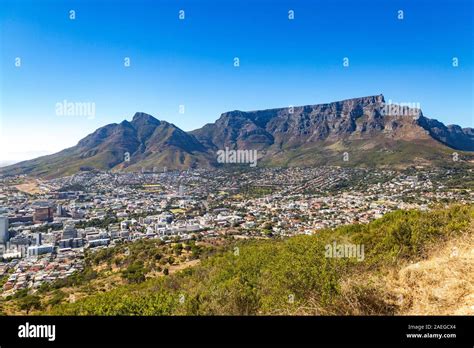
{"x": 57, "y": 298}
{"x": 135, "y": 273}
{"x": 30, "y": 302}
{"x": 178, "y": 249}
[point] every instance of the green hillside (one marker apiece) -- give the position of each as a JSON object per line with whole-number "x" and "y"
{"x": 291, "y": 276}
{"x": 377, "y": 152}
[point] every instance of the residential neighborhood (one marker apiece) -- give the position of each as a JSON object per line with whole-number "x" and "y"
{"x": 47, "y": 224}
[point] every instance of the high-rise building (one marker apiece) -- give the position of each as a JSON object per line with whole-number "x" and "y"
{"x": 69, "y": 232}
{"x": 38, "y": 238}
{"x": 43, "y": 214}
{"x": 4, "y": 235}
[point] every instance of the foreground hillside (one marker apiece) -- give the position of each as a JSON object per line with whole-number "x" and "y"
{"x": 442, "y": 284}
{"x": 405, "y": 268}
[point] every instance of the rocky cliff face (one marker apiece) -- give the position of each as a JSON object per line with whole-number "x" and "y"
{"x": 451, "y": 135}
{"x": 358, "y": 118}
{"x": 293, "y": 126}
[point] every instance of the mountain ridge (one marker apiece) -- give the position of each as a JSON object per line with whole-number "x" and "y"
{"x": 369, "y": 130}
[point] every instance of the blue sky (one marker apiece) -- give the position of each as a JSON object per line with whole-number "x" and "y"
{"x": 190, "y": 62}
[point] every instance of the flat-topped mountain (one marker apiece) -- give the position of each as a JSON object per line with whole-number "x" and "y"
{"x": 369, "y": 130}
{"x": 359, "y": 118}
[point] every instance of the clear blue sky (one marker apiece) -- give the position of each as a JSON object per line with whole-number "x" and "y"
{"x": 190, "y": 62}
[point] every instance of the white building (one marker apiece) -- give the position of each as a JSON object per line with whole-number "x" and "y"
{"x": 36, "y": 250}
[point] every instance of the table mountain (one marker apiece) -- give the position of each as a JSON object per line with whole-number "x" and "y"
{"x": 369, "y": 130}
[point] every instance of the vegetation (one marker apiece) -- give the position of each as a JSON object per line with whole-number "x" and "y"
{"x": 292, "y": 276}
{"x": 135, "y": 273}
{"x": 29, "y": 302}
{"x": 100, "y": 223}
{"x": 72, "y": 187}
{"x": 256, "y": 191}
{"x": 106, "y": 269}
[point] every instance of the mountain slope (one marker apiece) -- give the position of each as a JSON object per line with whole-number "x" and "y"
{"x": 451, "y": 135}
{"x": 358, "y": 118}
{"x": 143, "y": 143}
{"x": 371, "y": 132}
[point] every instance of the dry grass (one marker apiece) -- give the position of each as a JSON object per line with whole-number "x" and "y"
{"x": 31, "y": 187}
{"x": 365, "y": 296}
{"x": 442, "y": 284}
